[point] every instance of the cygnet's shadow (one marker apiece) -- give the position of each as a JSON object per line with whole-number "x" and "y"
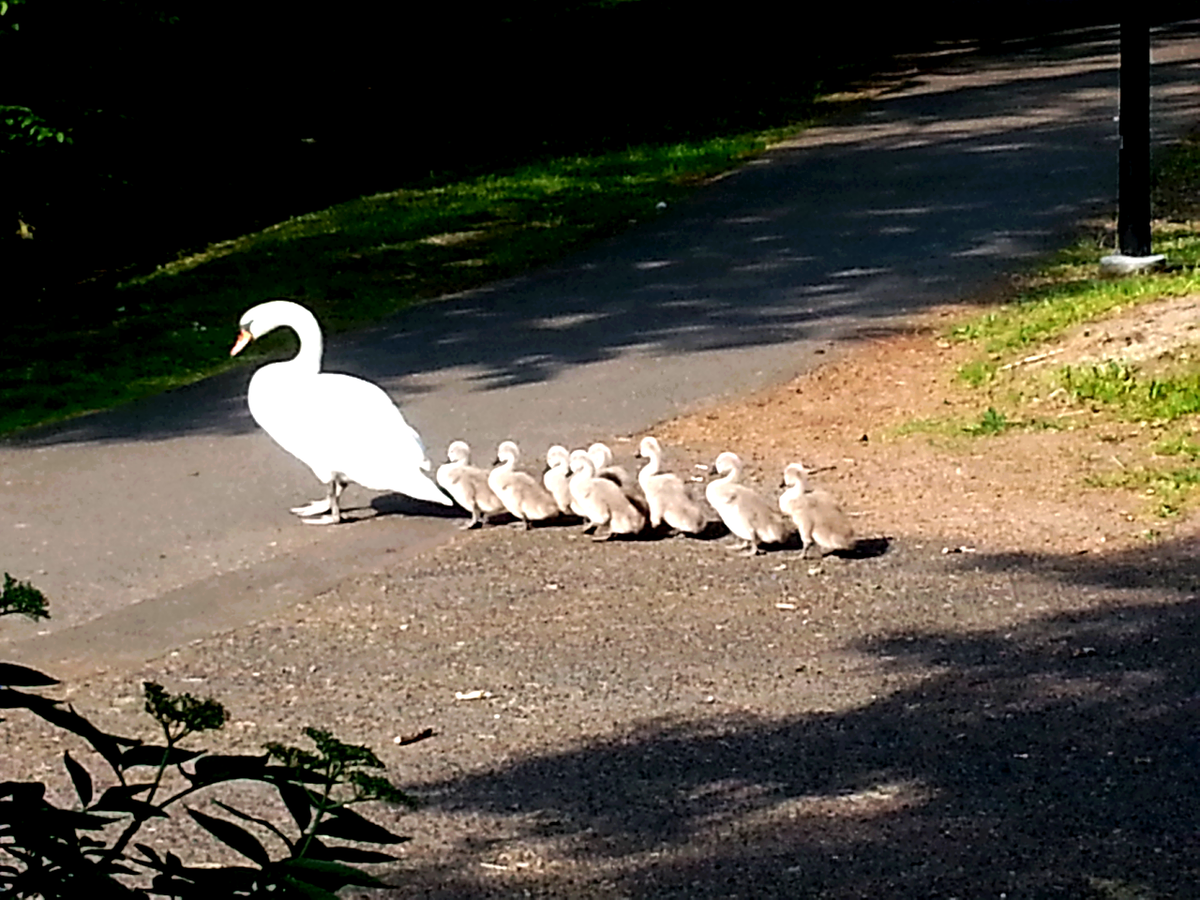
{"x": 865, "y": 548}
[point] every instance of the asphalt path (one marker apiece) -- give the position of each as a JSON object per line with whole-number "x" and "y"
{"x": 166, "y": 520}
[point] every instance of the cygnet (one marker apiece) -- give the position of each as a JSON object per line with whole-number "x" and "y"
{"x": 816, "y": 513}
{"x": 519, "y": 491}
{"x": 743, "y": 511}
{"x": 467, "y": 484}
{"x": 600, "y": 501}
{"x": 667, "y": 498}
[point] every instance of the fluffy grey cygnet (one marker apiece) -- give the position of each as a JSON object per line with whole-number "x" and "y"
{"x": 467, "y": 484}
{"x": 816, "y": 513}
{"x": 601, "y": 501}
{"x": 519, "y": 491}
{"x": 667, "y": 498}
{"x": 743, "y": 511}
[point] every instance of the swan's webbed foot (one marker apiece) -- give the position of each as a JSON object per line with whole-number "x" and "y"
{"x": 316, "y": 508}
{"x": 327, "y": 519}
{"x": 324, "y": 512}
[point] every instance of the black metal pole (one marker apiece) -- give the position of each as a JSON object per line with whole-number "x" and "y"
{"x": 1133, "y": 214}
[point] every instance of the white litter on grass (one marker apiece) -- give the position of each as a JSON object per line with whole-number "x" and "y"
{"x": 961, "y": 549}
{"x": 785, "y": 605}
{"x": 472, "y": 695}
{"x": 1120, "y": 264}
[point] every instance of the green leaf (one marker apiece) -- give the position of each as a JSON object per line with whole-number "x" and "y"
{"x": 121, "y": 798}
{"x": 23, "y": 676}
{"x": 234, "y": 836}
{"x": 330, "y": 874}
{"x": 80, "y": 777}
{"x": 298, "y": 801}
{"x": 213, "y": 769}
{"x": 270, "y": 826}
{"x": 10, "y": 699}
{"x": 107, "y": 745}
{"x": 304, "y": 889}
{"x": 319, "y": 850}
{"x": 152, "y": 755}
{"x": 350, "y": 826}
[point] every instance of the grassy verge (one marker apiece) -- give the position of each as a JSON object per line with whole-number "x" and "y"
{"x": 352, "y": 264}
{"x": 1161, "y": 395}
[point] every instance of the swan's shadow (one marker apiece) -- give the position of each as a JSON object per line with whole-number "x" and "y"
{"x": 402, "y": 505}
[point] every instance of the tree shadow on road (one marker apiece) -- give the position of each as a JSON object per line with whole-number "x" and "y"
{"x": 1059, "y": 758}
{"x": 929, "y": 197}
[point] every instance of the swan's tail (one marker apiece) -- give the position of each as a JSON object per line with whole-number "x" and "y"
{"x": 418, "y": 486}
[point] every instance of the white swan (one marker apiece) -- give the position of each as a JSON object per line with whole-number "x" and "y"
{"x": 343, "y": 428}
{"x": 666, "y": 495}
{"x": 519, "y": 491}
{"x": 601, "y": 501}
{"x": 744, "y": 512}
{"x": 816, "y": 513}
{"x": 467, "y": 484}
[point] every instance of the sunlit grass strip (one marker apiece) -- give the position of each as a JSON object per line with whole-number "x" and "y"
{"x": 1047, "y": 311}
{"x": 353, "y": 264}
{"x": 1167, "y": 490}
{"x": 1123, "y": 389}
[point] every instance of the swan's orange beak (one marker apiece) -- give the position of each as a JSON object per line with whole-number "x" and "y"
{"x": 244, "y": 337}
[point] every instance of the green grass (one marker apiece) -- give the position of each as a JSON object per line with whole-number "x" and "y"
{"x": 1132, "y": 395}
{"x": 1069, "y": 291}
{"x": 1168, "y": 489}
{"x": 991, "y": 422}
{"x": 353, "y": 263}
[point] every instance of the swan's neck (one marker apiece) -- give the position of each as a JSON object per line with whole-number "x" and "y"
{"x": 650, "y": 469}
{"x": 308, "y": 359}
{"x": 730, "y": 477}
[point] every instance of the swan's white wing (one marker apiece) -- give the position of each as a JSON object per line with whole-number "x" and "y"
{"x": 342, "y": 425}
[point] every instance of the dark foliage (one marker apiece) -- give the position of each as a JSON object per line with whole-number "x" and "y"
{"x": 51, "y": 851}
{"x": 183, "y": 122}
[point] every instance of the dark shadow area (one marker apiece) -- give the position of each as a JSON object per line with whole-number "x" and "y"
{"x": 1059, "y": 758}
{"x": 1169, "y": 564}
{"x": 929, "y": 197}
{"x": 865, "y": 548}
{"x": 169, "y": 148}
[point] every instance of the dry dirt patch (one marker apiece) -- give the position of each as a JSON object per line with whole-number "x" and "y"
{"x": 1023, "y": 490}
{"x": 1148, "y": 331}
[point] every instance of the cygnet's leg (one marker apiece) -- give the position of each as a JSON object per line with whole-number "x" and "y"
{"x": 334, "y": 514}
{"x": 476, "y": 519}
{"x": 753, "y": 549}
{"x": 738, "y": 544}
{"x": 806, "y": 538}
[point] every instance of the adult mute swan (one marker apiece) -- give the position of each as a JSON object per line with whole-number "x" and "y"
{"x": 343, "y": 428}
